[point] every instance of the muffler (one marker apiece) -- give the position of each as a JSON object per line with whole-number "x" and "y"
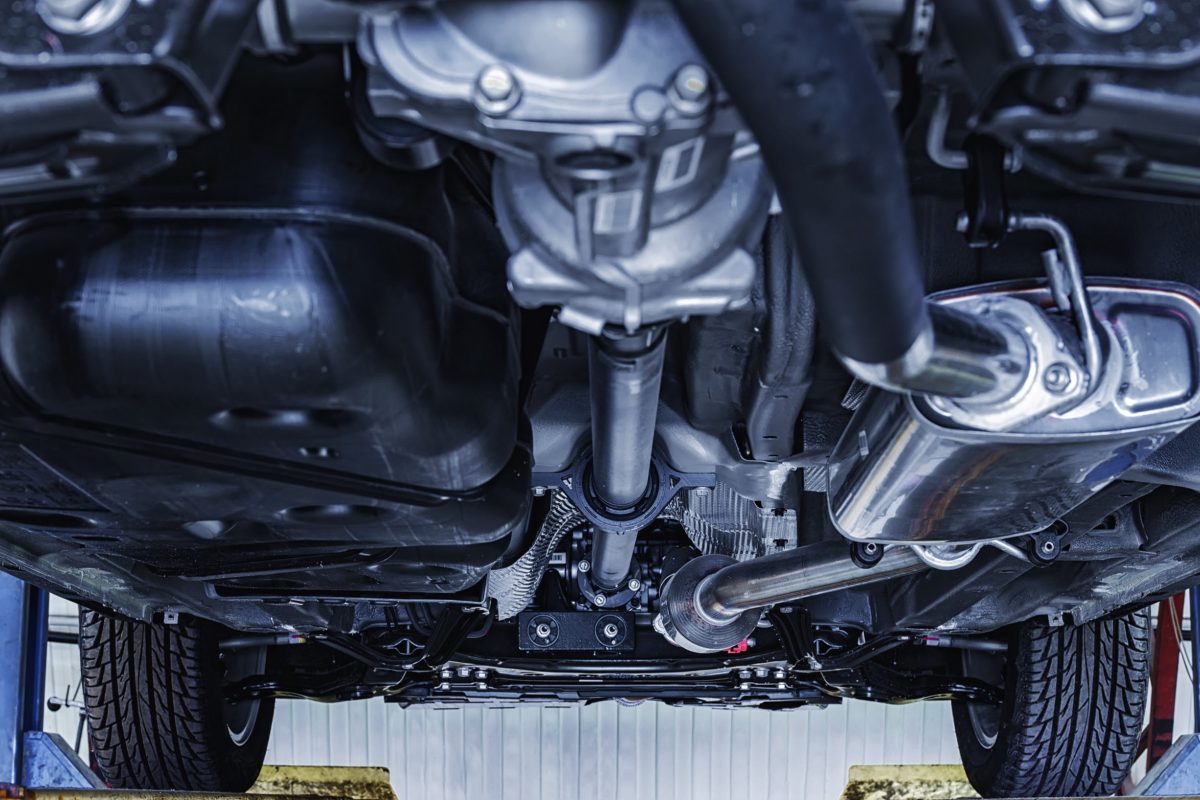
{"x": 913, "y": 469}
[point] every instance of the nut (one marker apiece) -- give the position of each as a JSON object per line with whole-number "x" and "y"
{"x": 1058, "y": 377}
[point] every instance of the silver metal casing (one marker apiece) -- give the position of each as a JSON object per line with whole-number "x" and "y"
{"x": 905, "y": 471}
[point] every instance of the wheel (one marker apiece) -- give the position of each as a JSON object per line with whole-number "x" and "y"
{"x": 156, "y": 710}
{"x": 1074, "y": 696}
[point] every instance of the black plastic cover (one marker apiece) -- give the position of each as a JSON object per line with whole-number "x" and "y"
{"x": 269, "y": 403}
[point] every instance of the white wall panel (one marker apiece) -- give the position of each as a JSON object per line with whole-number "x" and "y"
{"x": 606, "y": 751}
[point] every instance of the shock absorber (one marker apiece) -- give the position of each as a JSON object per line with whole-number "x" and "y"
{"x": 625, "y": 376}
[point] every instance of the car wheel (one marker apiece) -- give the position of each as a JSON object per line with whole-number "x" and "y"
{"x": 1074, "y": 697}
{"x": 156, "y": 709}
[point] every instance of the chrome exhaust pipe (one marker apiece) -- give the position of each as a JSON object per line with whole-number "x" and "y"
{"x": 713, "y": 603}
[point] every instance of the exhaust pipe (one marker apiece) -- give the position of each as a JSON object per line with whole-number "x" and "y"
{"x": 806, "y": 86}
{"x": 713, "y": 602}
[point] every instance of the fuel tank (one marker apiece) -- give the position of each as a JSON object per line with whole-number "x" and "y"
{"x": 257, "y": 399}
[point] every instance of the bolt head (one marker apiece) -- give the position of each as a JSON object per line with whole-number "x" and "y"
{"x": 600, "y": 599}
{"x": 496, "y": 89}
{"x": 611, "y": 631}
{"x": 634, "y": 584}
{"x": 585, "y": 565}
{"x": 464, "y": 672}
{"x": 496, "y": 83}
{"x": 443, "y": 685}
{"x": 780, "y": 674}
{"x": 692, "y": 83}
{"x": 691, "y": 91}
{"x": 744, "y": 674}
{"x": 744, "y": 686}
{"x": 542, "y": 631}
{"x": 1058, "y": 378}
{"x": 481, "y": 674}
{"x": 446, "y": 674}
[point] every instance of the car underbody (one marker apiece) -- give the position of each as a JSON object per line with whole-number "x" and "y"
{"x": 481, "y": 350}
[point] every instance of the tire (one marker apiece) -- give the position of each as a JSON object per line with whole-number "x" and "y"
{"x": 1074, "y": 698}
{"x": 157, "y": 716}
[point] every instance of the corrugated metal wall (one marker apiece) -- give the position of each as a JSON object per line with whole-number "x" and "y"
{"x": 606, "y": 751}
{"x": 598, "y": 752}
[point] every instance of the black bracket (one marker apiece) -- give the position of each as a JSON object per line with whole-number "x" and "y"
{"x": 984, "y": 223}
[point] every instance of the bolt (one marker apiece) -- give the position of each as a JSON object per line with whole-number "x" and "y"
{"x": 464, "y": 672}
{"x": 600, "y": 599}
{"x": 585, "y": 565}
{"x": 744, "y": 674}
{"x": 782, "y": 685}
{"x": 497, "y": 83}
{"x": 443, "y": 685}
{"x": 1058, "y": 378}
{"x": 481, "y": 685}
{"x": 539, "y": 491}
{"x": 691, "y": 83}
{"x": 611, "y": 630}
{"x": 690, "y": 90}
{"x": 496, "y": 90}
{"x": 446, "y": 674}
{"x": 1047, "y": 546}
{"x": 780, "y": 674}
{"x": 870, "y": 548}
{"x": 761, "y": 673}
{"x": 634, "y": 584}
{"x": 481, "y": 674}
{"x": 542, "y": 631}
{"x": 744, "y": 686}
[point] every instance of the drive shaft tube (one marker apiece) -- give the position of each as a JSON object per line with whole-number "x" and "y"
{"x": 625, "y": 377}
